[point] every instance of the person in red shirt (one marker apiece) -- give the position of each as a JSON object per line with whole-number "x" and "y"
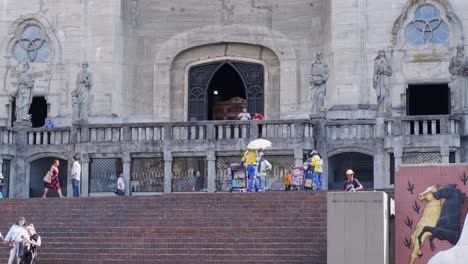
{"x": 257, "y": 116}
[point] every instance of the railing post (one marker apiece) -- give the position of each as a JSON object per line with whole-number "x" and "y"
{"x": 444, "y": 126}
{"x": 253, "y": 129}
{"x": 210, "y": 131}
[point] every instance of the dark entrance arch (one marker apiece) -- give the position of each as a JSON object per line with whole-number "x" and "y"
{"x": 361, "y": 164}
{"x": 204, "y": 78}
{"x": 37, "y": 171}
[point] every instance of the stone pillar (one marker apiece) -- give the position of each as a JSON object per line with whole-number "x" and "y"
{"x": 20, "y": 183}
{"x": 381, "y": 166}
{"x": 398, "y": 154}
{"x": 167, "y": 171}
{"x": 127, "y": 163}
{"x": 445, "y": 154}
{"x": 298, "y": 156}
{"x": 84, "y": 175}
{"x": 211, "y": 158}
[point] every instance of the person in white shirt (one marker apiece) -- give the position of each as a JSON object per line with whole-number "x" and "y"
{"x": 244, "y": 115}
{"x": 76, "y": 176}
{"x": 262, "y": 167}
{"x": 121, "y": 185}
{"x": 15, "y": 236}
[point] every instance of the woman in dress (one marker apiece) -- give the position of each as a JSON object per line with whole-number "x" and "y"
{"x": 30, "y": 244}
{"x": 15, "y": 237}
{"x": 54, "y": 183}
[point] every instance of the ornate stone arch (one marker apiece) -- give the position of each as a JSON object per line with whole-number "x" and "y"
{"x": 216, "y": 34}
{"x": 42, "y": 155}
{"x": 447, "y": 13}
{"x": 424, "y": 63}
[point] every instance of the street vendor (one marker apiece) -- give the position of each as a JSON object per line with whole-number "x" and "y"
{"x": 249, "y": 160}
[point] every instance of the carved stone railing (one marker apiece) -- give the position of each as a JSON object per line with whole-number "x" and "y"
{"x": 422, "y": 125}
{"x": 48, "y": 136}
{"x": 193, "y": 131}
{"x": 356, "y": 129}
{"x": 7, "y": 135}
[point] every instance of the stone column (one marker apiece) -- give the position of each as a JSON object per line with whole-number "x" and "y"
{"x": 211, "y": 158}
{"x": 445, "y": 154}
{"x": 20, "y": 183}
{"x": 167, "y": 171}
{"x": 127, "y": 163}
{"x": 84, "y": 175}
{"x": 298, "y": 156}
{"x": 398, "y": 154}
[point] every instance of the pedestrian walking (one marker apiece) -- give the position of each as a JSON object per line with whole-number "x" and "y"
{"x": 30, "y": 245}
{"x": 121, "y": 185}
{"x": 54, "y": 183}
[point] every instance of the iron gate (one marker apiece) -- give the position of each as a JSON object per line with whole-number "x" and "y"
{"x": 6, "y": 177}
{"x": 252, "y": 74}
{"x": 103, "y": 175}
{"x": 189, "y": 174}
{"x": 147, "y": 175}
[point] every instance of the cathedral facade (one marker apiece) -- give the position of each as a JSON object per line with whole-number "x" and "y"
{"x": 152, "y": 89}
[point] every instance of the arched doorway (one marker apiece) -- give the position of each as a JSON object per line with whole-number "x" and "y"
{"x": 38, "y": 169}
{"x": 361, "y": 164}
{"x": 224, "y": 85}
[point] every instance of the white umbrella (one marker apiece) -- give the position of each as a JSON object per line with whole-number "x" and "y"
{"x": 259, "y": 143}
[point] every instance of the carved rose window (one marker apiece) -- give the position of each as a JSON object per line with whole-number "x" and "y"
{"x": 427, "y": 27}
{"x": 32, "y": 46}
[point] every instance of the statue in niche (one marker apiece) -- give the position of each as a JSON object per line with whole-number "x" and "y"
{"x": 80, "y": 96}
{"x": 24, "y": 94}
{"x": 382, "y": 73}
{"x": 459, "y": 69}
{"x": 319, "y": 84}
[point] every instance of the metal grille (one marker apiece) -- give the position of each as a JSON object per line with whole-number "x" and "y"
{"x": 281, "y": 164}
{"x": 6, "y": 177}
{"x": 421, "y": 157}
{"x": 104, "y": 174}
{"x": 189, "y": 174}
{"x": 147, "y": 175}
{"x": 223, "y": 179}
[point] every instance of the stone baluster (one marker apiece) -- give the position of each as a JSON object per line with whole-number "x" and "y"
{"x": 425, "y": 127}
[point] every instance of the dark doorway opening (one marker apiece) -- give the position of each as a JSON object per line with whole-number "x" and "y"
{"x": 226, "y": 94}
{"x": 37, "y": 171}
{"x": 38, "y": 111}
{"x": 13, "y": 111}
{"x": 361, "y": 164}
{"x": 428, "y": 99}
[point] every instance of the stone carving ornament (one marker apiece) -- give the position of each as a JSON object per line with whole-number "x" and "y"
{"x": 81, "y": 96}
{"x": 459, "y": 69}
{"x": 24, "y": 94}
{"x": 319, "y": 72}
{"x": 382, "y": 73}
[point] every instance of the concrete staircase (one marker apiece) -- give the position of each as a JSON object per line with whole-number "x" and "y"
{"x": 272, "y": 227}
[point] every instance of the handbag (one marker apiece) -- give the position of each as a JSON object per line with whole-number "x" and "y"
{"x": 308, "y": 183}
{"x": 47, "y": 177}
{"x": 11, "y": 245}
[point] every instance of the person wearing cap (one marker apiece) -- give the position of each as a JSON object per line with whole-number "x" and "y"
{"x": 317, "y": 164}
{"x": 352, "y": 184}
{"x": 1, "y": 185}
{"x": 121, "y": 185}
{"x": 262, "y": 167}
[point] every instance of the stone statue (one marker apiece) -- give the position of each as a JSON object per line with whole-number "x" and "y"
{"x": 80, "y": 96}
{"x": 24, "y": 94}
{"x": 459, "y": 69}
{"x": 319, "y": 84}
{"x": 382, "y": 73}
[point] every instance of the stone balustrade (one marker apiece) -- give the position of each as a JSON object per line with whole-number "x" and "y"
{"x": 48, "y": 136}
{"x": 351, "y": 130}
{"x": 422, "y": 125}
{"x": 7, "y": 135}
